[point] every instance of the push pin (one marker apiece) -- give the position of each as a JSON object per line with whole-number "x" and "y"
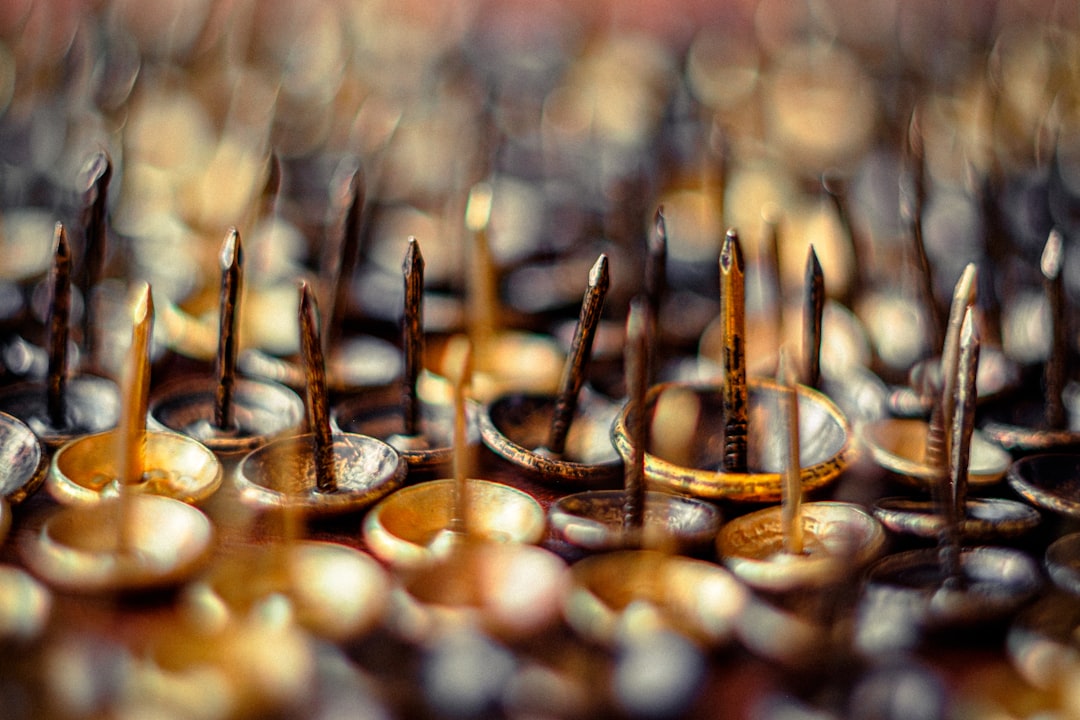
{"x": 118, "y": 536}
{"x": 634, "y": 517}
{"x": 410, "y": 527}
{"x": 64, "y": 407}
{"x": 1045, "y": 427}
{"x": 558, "y": 438}
{"x": 352, "y": 362}
{"x": 840, "y": 368}
{"x": 797, "y": 546}
{"x": 912, "y": 449}
{"x": 120, "y": 546}
{"x": 981, "y": 519}
{"x": 952, "y": 585}
{"x": 420, "y": 431}
{"x": 342, "y": 472}
{"x": 460, "y": 577}
{"x": 236, "y": 415}
{"x": 87, "y": 469}
{"x": 736, "y": 464}
{"x": 335, "y": 591}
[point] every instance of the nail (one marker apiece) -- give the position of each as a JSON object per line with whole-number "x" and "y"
{"x": 1054, "y": 372}
{"x": 813, "y": 312}
{"x": 577, "y": 362}
{"x": 135, "y": 392}
{"x": 318, "y": 406}
{"x": 637, "y": 363}
{"x": 459, "y": 367}
{"x": 59, "y": 317}
{"x": 99, "y": 172}
{"x": 342, "y": 265}
{"x": 413, "y": 335}
{"x": 791, "y": 501}
{"x": 733, "y": 316}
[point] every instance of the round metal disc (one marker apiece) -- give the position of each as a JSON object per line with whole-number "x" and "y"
{"x": 337, "y": 592}
{"x": 93, "y": 406}
{"x": 1019, "y": 426}
{"x": 508, "y": 590}
{"x": 86, "y": 470}
{"x": 984, "y": 518}
{"x": 23, "y": 461}
{"x": 78, "y": 548}
{"x": 515, "y": 427}
{"x": 406, "y": 528}
{"x": 366, "y": 470}
{"x": 262, "y": 409}
{"x": 839, "y": 539}
{"x": 594, "y": 521}
{"x": 825, "y": 447}
{"x": 996, "y": 581}
{"x": 618, "y": 594}
{"x": 899, "y": 445}
{"x": 1050, "y": 481}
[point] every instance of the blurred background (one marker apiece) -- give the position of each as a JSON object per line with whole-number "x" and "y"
{"x": 581, "y": 117}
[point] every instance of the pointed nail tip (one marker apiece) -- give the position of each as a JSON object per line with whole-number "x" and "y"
{"x": 598, "y": 274}
{"x": 731, "y": 253}
{"x": 966, "y": 286}
{"x": 99, "y": 168}
{"x": 304, "y": 288}
{"x": 414, "y": 258}
{"x": 1053, "y": 255}
{"x": 660, "y": 223}
{"x": 143, "y": 307}
{"x": 230, "y": 248}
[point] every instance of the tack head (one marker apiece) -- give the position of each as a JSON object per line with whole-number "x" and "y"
{"x": 336, "y": 592}
{"x": 405, "y": 528}
{"x": 366, "y": 470}
{"x": 822, "y": 461}
{"x": 612, "y": 596}
{"x": 78, "y": 548}
{"x": 88, "y": 470}
{"x": 839, "y": 538}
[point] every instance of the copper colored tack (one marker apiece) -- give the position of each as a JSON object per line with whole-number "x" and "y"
{"x": 65, "y": 406}
{"x": 635, "y": 516}
{"x": 233, "y": 415}
{"x": 532, "y": 430}
{"x": 338, "y": 472}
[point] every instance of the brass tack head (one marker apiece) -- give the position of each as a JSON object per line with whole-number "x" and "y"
{"x": 80, "y": 548}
